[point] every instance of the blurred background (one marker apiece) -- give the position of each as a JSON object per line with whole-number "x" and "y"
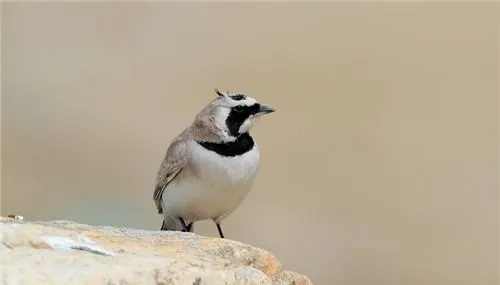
{"x": 379, "y": 166}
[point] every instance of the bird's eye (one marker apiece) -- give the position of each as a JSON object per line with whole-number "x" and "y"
{"x": 238, "y": 109}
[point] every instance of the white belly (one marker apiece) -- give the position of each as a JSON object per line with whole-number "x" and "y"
{"x": 211, "y": 186}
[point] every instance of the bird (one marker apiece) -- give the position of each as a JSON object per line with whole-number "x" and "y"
{"x": 210, "y": 167}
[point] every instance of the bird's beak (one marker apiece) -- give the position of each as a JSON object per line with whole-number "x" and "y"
{"x": 264, "y": 109}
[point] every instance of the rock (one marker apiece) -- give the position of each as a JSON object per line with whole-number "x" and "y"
{"x": 64, "y": 252}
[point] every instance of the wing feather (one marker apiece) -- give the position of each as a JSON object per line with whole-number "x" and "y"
{"x": 174, "y": 161}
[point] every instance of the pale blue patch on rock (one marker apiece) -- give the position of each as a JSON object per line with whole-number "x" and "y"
{"x": 249, "y": 273}
{"x": 65, "y": 243}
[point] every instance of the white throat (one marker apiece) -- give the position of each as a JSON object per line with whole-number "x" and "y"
{"x": 246, "y": 126}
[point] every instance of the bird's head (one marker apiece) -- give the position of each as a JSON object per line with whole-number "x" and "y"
{"x": 233, "y": 114}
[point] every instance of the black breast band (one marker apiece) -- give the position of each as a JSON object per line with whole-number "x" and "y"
{"x": 241, "y": 145}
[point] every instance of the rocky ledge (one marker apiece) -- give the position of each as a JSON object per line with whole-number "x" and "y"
{"x": 64, "y": 252}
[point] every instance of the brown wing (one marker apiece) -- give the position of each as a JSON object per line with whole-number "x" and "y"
{"x": 174, "y": 161}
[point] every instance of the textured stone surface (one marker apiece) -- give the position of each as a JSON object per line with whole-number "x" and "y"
{"x": 63, "y": 252}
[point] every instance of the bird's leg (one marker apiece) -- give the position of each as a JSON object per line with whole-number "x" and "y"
{"x": 220, "y": 230}
{"x": 185, "y": 228}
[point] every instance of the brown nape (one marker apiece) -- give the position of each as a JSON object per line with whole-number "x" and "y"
{"x": 204, "y": 129}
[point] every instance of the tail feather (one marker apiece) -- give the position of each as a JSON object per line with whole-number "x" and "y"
{"x": 170, "y": 224}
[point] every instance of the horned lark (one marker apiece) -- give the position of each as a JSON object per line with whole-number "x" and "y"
{"x": 210, "y": 167}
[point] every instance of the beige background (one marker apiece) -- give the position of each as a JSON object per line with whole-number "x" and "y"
{"x": 379, "y": 167}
